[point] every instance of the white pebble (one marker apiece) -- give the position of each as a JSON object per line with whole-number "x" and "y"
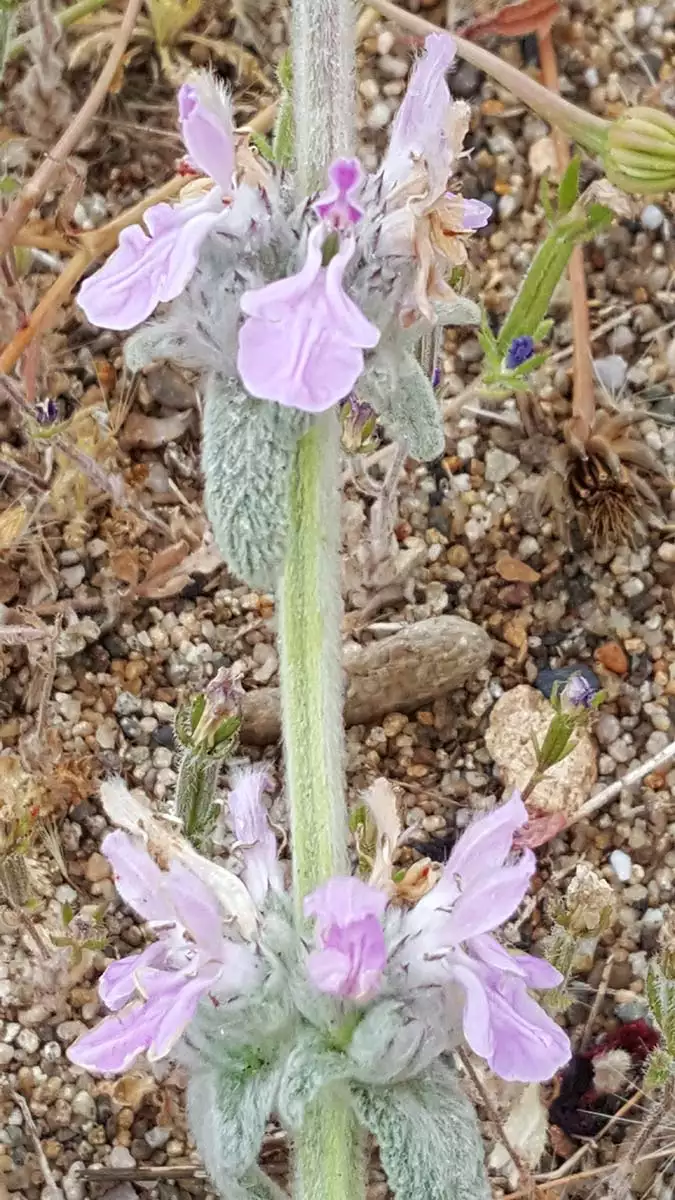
{"x": 499, "y": 465}
{"x": 621, "y": 865}
{"x": 666, "y": 552}
{"x": 644, "y": 16}
{"x": 651, "y": 217}
{"x": 379, "y": 115}
{"x": 28, "y": 1040}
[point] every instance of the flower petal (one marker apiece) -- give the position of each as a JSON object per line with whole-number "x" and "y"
{"x": 351, "y": 321}
{"x": 175, "y": 1019}
{"x": 197, "y": 908}
{"x": 116, "y": 1042}
{"x": 537, "y": 972}
{"x": 271, "y": 301}
{"x": 146, "y": 270}
{"x": 352, "y": 959}
{"x": 117, "y": 985}
{"x": 138, "y": 879}
{"x": 477, "y": 1015}
{"x": 488, "y": 903}
{"x": 476, "y": 214}
{"x": 528, "y": 1046}
{"x": 427, "y": 97}
{"x": 250, "y": 822}
{"x": 207, "y": 128}
{"x": 303, "y": 343}
{"x": 343, "y": 899}
{"x": 487, "y": 840}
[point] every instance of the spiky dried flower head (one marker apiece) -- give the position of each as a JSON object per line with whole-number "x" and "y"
{"x": 603, "y": 485}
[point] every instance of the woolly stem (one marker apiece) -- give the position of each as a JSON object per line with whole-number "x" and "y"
{"x": 329, "y": 1160}
{"x": 328, "y": 1156}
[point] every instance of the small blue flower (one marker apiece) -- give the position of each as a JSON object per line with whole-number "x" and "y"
{"x": 520, "y": 350}
{"x": 578, "y": 693}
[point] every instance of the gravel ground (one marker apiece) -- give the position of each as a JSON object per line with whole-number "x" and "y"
{"x": 106, "y": 691}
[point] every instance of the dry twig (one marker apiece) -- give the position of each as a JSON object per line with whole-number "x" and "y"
{"x": 31, "y": 194}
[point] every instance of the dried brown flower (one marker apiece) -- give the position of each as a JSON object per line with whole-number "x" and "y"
{"x": 603, "y": 485}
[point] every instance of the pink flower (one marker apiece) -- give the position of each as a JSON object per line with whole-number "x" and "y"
{"x": 148, "y": 268}
{"x": 422, "y": 219}
{"x": 337, "y": 205}
{"x": 207, "y": 127}
{"x": 250, "y": 823}
{"x": 304, "y": 340}
{"x": 352, "y": 954}
{"x": 428, "y": 130}
{"x": 448, "y": 943}
{"x": 154, "y": 995}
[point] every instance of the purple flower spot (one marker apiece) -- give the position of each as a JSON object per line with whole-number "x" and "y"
{"x": 520, "y": 350}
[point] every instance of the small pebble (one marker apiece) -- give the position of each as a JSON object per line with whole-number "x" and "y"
{"x": 621, "y": 865}
{"x": 652, "y": 217}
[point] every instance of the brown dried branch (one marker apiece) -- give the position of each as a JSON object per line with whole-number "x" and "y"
{"x": 583, "y": 387}
{"x": 96, "y": 245}
{"x": 31, "y": 195}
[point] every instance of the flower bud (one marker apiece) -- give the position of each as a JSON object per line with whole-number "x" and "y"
{"x": 640, "y": 152}
{"x": 209, "y": 723}
{"x": 357, "y": 427}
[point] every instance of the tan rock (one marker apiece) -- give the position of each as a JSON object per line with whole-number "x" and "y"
{"x": 521, "y": 713}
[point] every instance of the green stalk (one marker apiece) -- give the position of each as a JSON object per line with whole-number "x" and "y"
{"x": 311, "y": 669}
{"x": 329, "y": 1158}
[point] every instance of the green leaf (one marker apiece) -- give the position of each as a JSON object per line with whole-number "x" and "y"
{"x": 310, "y": 1067}
{"x": 543, "y": 329}
{"x": 413, "y": 415}
{"x": 428, "y": 1136}
{"x": 228, "y": 1110}
{"x": 659, "y": 1068}
{"x": 568, "y": 191}
{"x": 545, "y": 198}
{"x": 67, "y": 913}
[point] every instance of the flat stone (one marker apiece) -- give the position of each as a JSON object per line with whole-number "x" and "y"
{"x": 518, "y": 715}
{"x": 621, "y": 864}
{"x": 400, "y": 673}
{"x": 499, "y": 465}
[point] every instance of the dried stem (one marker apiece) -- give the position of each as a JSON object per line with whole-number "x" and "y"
{"x": 589, "y": 130}
{"x": 95, "y": 245}
{"x": 31, "y": 195}
{"x": 66, "y": 17}
{"x": 655, "y": 763}
{"x": 583, "y": 393}
{"x": 525, "y": 1177}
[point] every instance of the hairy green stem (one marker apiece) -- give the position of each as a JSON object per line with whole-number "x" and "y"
{"x": 329, "y": 1158}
